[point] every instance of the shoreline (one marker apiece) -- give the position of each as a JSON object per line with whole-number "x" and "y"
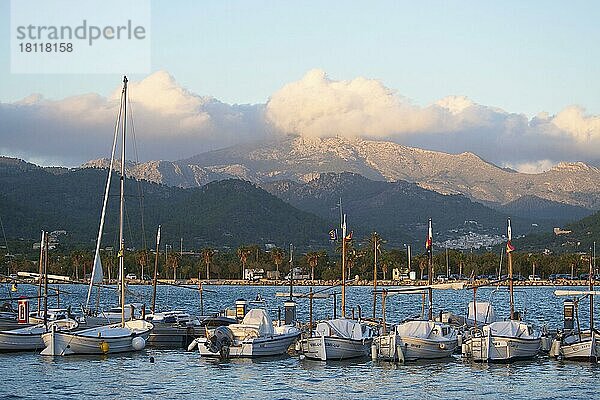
{"x": 308, "y": 282}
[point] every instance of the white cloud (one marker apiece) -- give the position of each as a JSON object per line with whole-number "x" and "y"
{"x": 533, "y": 167}
{"x": 173, "y": 123}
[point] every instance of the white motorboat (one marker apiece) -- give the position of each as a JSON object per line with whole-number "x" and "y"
{"x": 255, "y": 336}
{"x": 116, "y": 338}
{"x": 127, "y": 335}
{"x": 338, "y": 339}
{"x": 415, "y": 340}
{"x": 502, "y": 341}
{"x": 30, "y": 338}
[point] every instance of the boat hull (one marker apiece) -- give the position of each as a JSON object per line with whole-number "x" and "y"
{"x": 584, "y": 348}
{"x": 19, "y": 342}
{"x": 396, "y": 348}
{"x": 172, "y": 336}
{"x": 257, "y": 347}
{"x": 102, "y": 340}
{"x": 500, "y": 349}
{"x": 335, "y": 348}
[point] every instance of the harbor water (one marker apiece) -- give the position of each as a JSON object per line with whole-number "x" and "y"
{"x": 181, "y": 374}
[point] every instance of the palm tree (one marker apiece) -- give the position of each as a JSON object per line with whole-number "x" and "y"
{"x": 173, "y": 260}
{"x": 277, "y": 256}
{"x": 243, "y": 253}
{"x": 312, "y": 259}
{"x": 207, "y": 255}
{"x": 142, "y": 260}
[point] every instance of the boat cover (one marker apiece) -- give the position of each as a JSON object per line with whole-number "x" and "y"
{"x": 259, "y": 319}
{"x": 415, "y": 329}
{"x": 340, "y": 327}
{"x": 485, "y": 312}
{"x": 513, "y": 329}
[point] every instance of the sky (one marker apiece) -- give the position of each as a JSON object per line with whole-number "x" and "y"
{"x": 515, "y": 82}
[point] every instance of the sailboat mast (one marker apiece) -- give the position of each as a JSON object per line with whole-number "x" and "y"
{"x": 122, "y": 206}
{"x": 41, "y": 271}
{"x": 510, "y": 272}
{"x": 155, "y": 276}
{"x": 375, "y": 246}
{"x": 45, "y": 245}
{"x": 591, "y": 295}
{"x": 343, "y": 266}
{"x": 430, "y": 270}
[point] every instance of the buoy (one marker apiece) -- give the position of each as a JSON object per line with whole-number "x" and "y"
{"x": 138, "y": 343}
{"x": 151, "y": 360}
{"x": 14, "y": 287}
{"x": 104, "y": 347}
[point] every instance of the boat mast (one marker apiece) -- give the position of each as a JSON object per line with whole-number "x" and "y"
{"x": 122, "y": 206}
{"x": 46, "y": 281}
{"x": 430, "y": 270}
{"x": 155, "y": 277}
{"x": 375, "y": 248}
{"x": 509, "y": 249}
{"x": 41, "y": 271}
{"x": 591, "y": 295}
{"x": 343, "y": 266}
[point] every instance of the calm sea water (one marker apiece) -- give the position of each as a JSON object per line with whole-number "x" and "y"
{"x": 181, "y": 374}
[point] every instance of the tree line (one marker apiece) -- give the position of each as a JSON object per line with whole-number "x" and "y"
{"x": 325, "y": 263}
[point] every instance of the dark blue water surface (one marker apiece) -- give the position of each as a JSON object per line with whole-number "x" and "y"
{"x": 180, "y": 374}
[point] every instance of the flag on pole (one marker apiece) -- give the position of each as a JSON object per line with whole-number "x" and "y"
{"x": 509, "y": 247}
{"x": 429, "y": 241}
{"x": 349, "y": 236}
{"x": 120, "y": 254}
{"x": 333, "y": 234}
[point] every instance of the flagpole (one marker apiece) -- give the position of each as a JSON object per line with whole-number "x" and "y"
{"x": 510, "y": 272}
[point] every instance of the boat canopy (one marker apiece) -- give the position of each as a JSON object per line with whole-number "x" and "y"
{"x": 509, "y": 328}
{"x": 340, "y": 327}
{"x": 485, "y": 312}
{"x": 415, "y": 329}
{"x": 259, "y": 319}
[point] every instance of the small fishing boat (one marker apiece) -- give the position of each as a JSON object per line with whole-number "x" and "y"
{"x": 115, "y": 338}
{"x": 173, "y": 329}
{"x": 502, "y": 341}
{"x": 30, "y": 338}
{"x": 417, "y": 339}
{"x": 338, "y": 339}
{"x": 575, "y": 343}
{"x": 255, "y": 336}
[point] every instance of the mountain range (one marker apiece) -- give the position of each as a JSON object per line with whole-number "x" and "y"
{"x": 301, "y": 159}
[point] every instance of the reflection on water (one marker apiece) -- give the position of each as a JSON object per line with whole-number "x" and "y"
{"x": 181, "y": 374}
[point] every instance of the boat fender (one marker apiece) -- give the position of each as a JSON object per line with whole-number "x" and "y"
{"x": 374, "y": 354}
{"x": 104, "y": 347}
{"x": 193, "y": 345}
{"x": 138, "y": 343}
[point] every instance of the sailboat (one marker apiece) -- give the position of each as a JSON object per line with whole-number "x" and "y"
{"x": 125, "y": 336}
{"x": 417, "y": 339}
{"x": 338, "y": 338}
{"x": 575, "y": 343}
{"x": 503, "y": 341}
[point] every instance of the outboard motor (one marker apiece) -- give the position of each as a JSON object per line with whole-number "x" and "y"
{"x": 220, "y": 340}
{"x": 568, "y": 314}
{"x": 290, "y": 312}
